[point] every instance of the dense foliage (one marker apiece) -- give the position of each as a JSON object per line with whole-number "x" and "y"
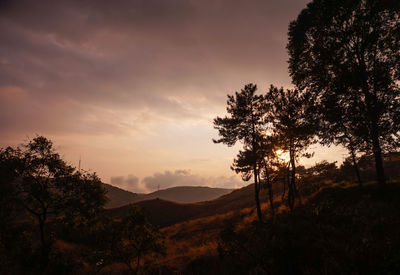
{"x": 347, "y": 54}
{"x": 339, "y": 231}
{"x": 40, "y": 186}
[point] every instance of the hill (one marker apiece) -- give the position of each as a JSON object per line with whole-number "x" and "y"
{"x": 181, "y": 194}
{"x": 341, "y": 227}
{"x": 338, "y": 226}
{"x": 164, "y": 213}
{"x": 186, "y": 194}
{"x": 117, "y": 196}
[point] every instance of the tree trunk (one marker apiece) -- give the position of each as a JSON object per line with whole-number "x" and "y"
{"x": 44, "y": 249}
{"x": 380, "y": 173}
{"x": 270, "y": 192}
{"x": 137, "y": 263}
{"x": 297, "y": 194}
{"x": 41, "y": 227}
{"x": 290, "y": 197}
{"x": 271, "y": 198}
{"x": 355, "y": 165}
{"x": 257, "y": 194}
{"x": 374, "y": 115}
{"x": 377, "y": 150}
{"x": 255, "y": 170}
{"x": 286, "y": 181}
{"x": 292, "y": 184}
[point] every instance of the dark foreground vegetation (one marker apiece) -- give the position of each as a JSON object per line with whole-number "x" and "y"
{"x": 337, "y": 226}
{"x": 49, "y": 208}
{"x": 340, "y": 230}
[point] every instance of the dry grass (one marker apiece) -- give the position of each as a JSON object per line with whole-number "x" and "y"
{"x": 189, "y": 240}
{"x": 64, "y": 246}
{"x": 197, "y": 238}
{"x": 186, "y": 241}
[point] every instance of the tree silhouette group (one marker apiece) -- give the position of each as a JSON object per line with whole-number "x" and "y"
{"x": 344, "y": 59}
{"x": 43, "y": 200}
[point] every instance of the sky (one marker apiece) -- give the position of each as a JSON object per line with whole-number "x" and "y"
{"x": 131, "y": 87}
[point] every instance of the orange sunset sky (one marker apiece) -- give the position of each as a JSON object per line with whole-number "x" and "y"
{"x": 132, "y": 87}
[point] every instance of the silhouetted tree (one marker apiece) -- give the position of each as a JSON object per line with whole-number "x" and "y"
{"x": 292, "y": 116}
{"x": 245, "y": 123}
{"x": 130, "y": 239}
{"x": 341, "y": 133}
{"x": 347, "y": 53}
{"x": 84, "y": 198}
{"x": 45, "y": 186}
{"x": 270, "y": 164}
{"x": 265, "y": 158}
{"x": 9, "y": 163}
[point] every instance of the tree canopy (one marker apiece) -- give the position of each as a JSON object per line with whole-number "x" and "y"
{"x": 294, "y": 125}
{"x": 347, "y": 53}
{"x": 280, "y": 119}
{"x": 46, "y": 187}
{"x": 246, "y": 124}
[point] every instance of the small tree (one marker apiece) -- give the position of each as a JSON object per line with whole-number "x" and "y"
{"x": 270, "y": 164}
{"x": 84, "y": 198}
{"x": 130, "y": 239}
{"x": 245, "y": 124}
{"x": 47, "y": 187}
{"x": 293, "y": 120}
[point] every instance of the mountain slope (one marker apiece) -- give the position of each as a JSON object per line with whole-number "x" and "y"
{"x": 341, "y": 228}
{"x": 181, "y": 194}
{"x": 117, "y": 196}
{"x": 165, "y": 213}
{"x": 186, "y": 194}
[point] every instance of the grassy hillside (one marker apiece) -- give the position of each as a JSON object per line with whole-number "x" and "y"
{"x": 340, "y": 229}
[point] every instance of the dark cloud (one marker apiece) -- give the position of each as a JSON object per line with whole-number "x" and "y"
{"x": 125, "y": 78}
{"x": 174, "y": 58}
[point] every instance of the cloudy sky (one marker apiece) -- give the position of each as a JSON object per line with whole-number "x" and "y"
{"x": 132, "y": 86}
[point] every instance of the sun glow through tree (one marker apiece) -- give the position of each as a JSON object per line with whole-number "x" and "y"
{"x": 282, "y": 155}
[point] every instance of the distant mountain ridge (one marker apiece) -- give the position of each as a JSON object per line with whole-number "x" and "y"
{"x": 186, "y": 194}
{"x": 180, "y": 194}
{"x": 164, "y": 213}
